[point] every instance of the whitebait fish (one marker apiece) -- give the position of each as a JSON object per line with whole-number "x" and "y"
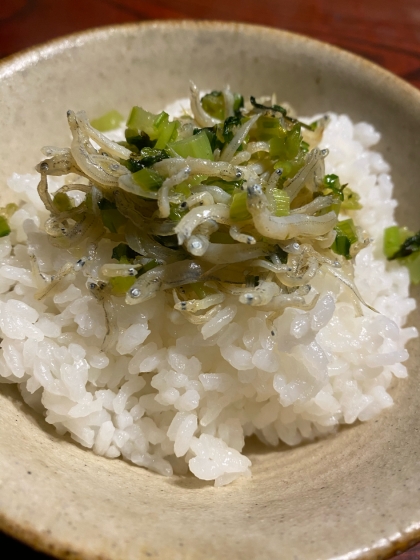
{"x": 236, "y": 187}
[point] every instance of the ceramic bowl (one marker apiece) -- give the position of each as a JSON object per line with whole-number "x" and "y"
{"x": 354, "y": 495}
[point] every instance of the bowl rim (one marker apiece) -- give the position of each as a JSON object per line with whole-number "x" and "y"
{"x": 40, "y": 50}
{"x": 29, "y": 56}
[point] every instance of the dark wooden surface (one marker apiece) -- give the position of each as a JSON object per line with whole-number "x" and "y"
{"x": 384, "y": 31}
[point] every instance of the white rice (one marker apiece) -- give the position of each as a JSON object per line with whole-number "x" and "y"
{"x": 171, "y": 396}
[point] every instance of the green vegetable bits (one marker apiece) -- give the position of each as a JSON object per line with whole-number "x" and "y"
{"x": 4, "y": 227}
{"x": 5, "y": 214}
{"x": 197, "y": 146}
{"x": 111, "y": 218}
{"x": 109, "y": 121}
{"x": 214, "y": 105}
{"x": 346, "y": 236}
{"x": 346, "y": 198}
{"x": 402, "y": 244}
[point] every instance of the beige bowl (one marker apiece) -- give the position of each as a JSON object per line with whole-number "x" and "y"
{"x": 355, "y": 495}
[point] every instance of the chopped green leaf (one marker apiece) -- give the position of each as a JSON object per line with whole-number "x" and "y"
{"x": 278, "y": 109}
{"x": 148, "y": 266}
{"x": 402, "y": 244}
{"x": 4, "y": 227}
{"x": 143, "y": 121}
{"x": 148, "y": 179}
{"x": 282, "y": 202}
{"x": 134, "y": 163}
{"x": 290, "y": 167}
{"x": 146, "y": 158}
{"x": 408, "y": 246}
{"x": 347, "y": 228}
{"x": 111, "y": 218}
{"x": 214, "y": 104}
{"x": 186, "y": 186}
{"x": 412, "y": 262}
{"x": 176, "y": 213}
{"x": 161, "y": 120}
{"x": 123, "y": 251}
{"x": 293, "y": 142}
{"x": 332, "y": 183}
{"x": 304, "y": 146}
{"x": 212, "y": 136}
{"x": 281, "y": 254}
{"x": 132, "y": 147}
{"x": 150, "y": 156}
{"x": 238, "y": 103}
{"x": 197, "y": 146}
{"x": 228, "y": 127}
{"x": 109, "y": 121}
{"x": 269, "y": 128}
{"x": 285, "y": 166}
{"x": 62, "y": 202}
{"x": 201, "y": 290}
{"x": 346, "y": 236}
{"x": 167, "y": 133}
{"x": 121, "y": 284}
{"x": 238, "y": 208}
{"x": 394, "y": 237}
{"x": 183, "y": 188}
{"x": 351, "y": 199}
{"x": 138, "y": 139}
{"x": 341, "y": 246}
{"x": 8, "y": 210}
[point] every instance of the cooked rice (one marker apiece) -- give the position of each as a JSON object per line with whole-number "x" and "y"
{"x": 172, "y": 396}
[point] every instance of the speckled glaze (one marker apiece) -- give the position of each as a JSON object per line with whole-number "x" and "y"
{"x": 352, "y": 496}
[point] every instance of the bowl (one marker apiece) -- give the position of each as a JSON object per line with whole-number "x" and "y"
{"x": 354, "y": 495}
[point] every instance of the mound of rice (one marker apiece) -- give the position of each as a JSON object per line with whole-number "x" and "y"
{"x": 172, "y": 396}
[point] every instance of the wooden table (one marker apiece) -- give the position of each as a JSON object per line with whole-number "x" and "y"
{"x": 384, "y": 31}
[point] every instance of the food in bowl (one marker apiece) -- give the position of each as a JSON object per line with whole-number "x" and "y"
{"x": 208, "y": 277}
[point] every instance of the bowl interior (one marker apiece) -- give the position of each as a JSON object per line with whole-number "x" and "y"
{"x": 358, "y": 492}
